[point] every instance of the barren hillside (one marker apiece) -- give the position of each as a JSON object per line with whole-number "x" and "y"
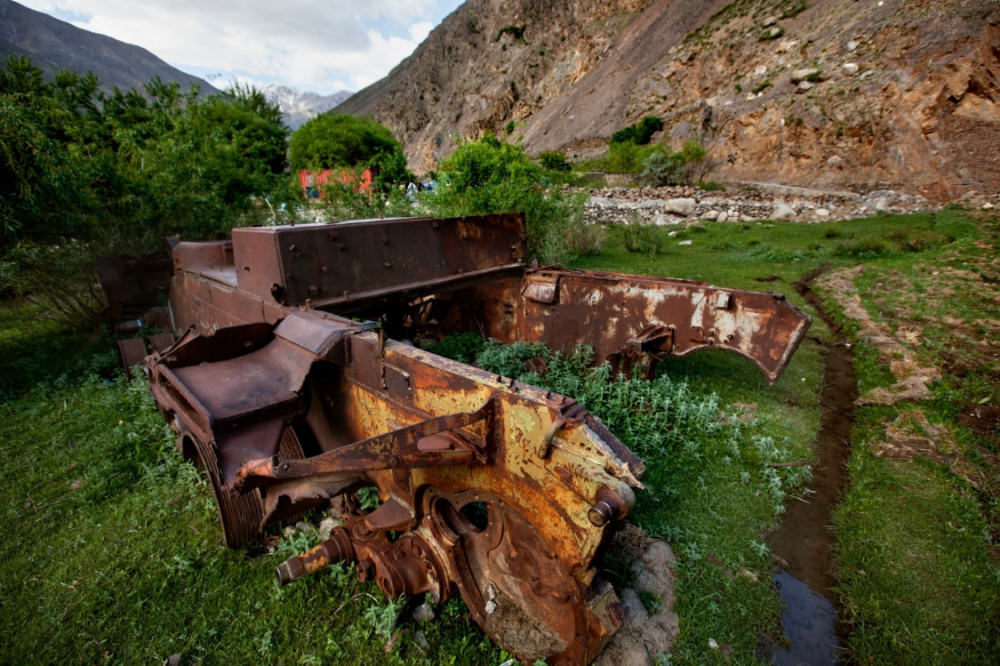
{"x": 834, "y": 93}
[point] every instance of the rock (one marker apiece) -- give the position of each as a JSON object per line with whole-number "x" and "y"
{"x": 852, "y": 46}
{"x": 423, "y": 613}
{"x": 774, "y": 32}
{"x": 686, "y": 242}
{"x": 803, "y": 86}
{"x": 806, "y": 74}
{"x": 760, "y": 70}
{"x": 782, "y": 211}
{"x": 786, "y": 45}
{"x": 326, "y": 527}
{"x": 822, "y": 213}
{"x": 988, "y": 206}
{"x": 835, "y": 161}
{"x": 850, "y": 68}
{"x": 882, "y": 205}
{"x": 721, "y": 218}
{"x": 769, "y": 21}
{"x": 711, "y": 215}
{"x": 681, "y": 206}
{"x": 642, "y": 637}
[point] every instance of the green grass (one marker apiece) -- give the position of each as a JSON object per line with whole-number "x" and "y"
{"x": 912, "y": 545}
{"x": 113, "y": 551}
{"x": 917, "y": 546}
{"x": 114, "y": 554}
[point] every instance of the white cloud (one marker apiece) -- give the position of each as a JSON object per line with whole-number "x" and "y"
{"x": 319, "y": 46}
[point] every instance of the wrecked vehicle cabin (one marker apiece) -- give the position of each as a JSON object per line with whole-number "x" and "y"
{"x": 294, "y": 384}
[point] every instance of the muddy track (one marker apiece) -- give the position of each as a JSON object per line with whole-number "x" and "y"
{"x": 804, "y": 541}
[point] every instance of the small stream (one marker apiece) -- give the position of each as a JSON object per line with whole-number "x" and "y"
{"x": 804, "y": 540}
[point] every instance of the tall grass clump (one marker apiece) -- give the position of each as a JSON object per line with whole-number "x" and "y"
{"x": 639, "y": 237}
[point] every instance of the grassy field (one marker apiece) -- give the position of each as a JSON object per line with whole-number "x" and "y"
{"x": 114, "y": 552}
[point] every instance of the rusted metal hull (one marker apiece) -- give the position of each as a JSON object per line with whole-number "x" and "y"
{"x": 499, "y": 491}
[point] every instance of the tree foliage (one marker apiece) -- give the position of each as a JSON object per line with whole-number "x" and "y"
{"x": 490, "y": 176}
{"x": 640, "y": 133}
{"x": 333, "y": 140}
{"x": 126, "y": 168}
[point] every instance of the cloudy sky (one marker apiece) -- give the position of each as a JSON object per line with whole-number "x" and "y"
{"x": 323, "y": 46}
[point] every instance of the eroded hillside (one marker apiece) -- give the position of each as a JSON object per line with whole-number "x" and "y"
{"x": 833, "y": 93}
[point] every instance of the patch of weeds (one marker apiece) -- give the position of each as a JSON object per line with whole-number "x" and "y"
{"x": 464, "y": 347}
{"x": 650, "y": 602}
{"x": 762, "y": 86}
{"x": 792, "y": 8}
{"x": 585, "y": 240}
{"x": 641, "y": 237}
{"x": 864, "y": 250}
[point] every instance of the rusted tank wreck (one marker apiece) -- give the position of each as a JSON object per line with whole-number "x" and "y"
{"x": 293, "y": 385}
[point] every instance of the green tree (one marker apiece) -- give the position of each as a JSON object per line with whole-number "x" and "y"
{"x": 489, "y": 176}
{"x": 334, "y": 140}
{"x": 126, "y": 168}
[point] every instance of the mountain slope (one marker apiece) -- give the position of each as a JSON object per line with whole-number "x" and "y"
{"x": 833, "y": 93}
{"x": 53, "y": 45}
{"x": 298, "y": 107}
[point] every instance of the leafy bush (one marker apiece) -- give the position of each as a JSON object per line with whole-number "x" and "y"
{"x": 684, "y": 167}
{"x": 869, "y": 249}
{"x": 554, "y": 160}
{"x": 585, "y": 239}
{"x": 640, "y": 133}
{"x": 659, "y": 418}
{"x": 342, "y": 140}
{"x": 344, "y": 202}
{"x": 490, "y": 176}
{"x": 641, "y": 237}
{"x": 464, "y": 347}
{"x": 62, "y": 279}
{"x": 76, "y": 162}
{"x": 622, "y": 158}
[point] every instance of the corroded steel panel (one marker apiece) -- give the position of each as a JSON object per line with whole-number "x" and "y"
{"x": 327, "y": 264}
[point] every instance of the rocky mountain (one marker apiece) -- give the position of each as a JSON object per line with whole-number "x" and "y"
{"x": 298, "y": 107}
{"x": 53, "y": 45}
{"x": 857, "y": 94}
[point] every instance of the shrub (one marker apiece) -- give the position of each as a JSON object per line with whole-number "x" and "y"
{"x": 62, "y": 279}
{"x": 585, "y": 239}
{"x": 554, "y": 160}
{"x": 641, "y": 237}
{"x": 870, "y": 249}
{"x": 515, "y": 31}
{"x": 342, "y": 140}
{"x": 640, "y": 133}
{"x": 623, "y": 158}
{"x": 490, "y": 176}
{"x": 685, "y": 167}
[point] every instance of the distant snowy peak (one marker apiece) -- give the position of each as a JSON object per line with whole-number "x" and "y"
{"x": 298, "y": 107}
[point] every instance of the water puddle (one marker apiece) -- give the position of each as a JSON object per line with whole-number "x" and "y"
{"x": 804, "y": 540}
{"x": 809, "y": 621}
